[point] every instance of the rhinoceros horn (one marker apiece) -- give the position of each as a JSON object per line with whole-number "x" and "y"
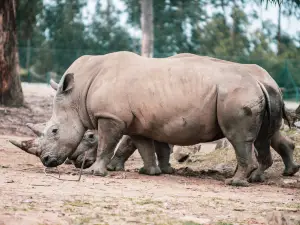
{"x": 54, "y": 85}
{"x": 29, "y": 146}
{"x": 36, "y": 128}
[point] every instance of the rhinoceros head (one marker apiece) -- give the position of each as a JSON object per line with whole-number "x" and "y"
{"x": 64, "y": 131}
{"x": 87, "y": 148}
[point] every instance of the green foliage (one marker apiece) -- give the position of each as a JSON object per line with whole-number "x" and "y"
{"x": 174, "y": 21}
{"x": 65, "y": 32}
{"x": 106, "y": 33}
{"x": 52, "y": 34}
{"x": 59, "y": 36}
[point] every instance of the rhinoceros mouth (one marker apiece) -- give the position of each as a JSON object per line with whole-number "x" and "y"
{"x": 80, "y": 172}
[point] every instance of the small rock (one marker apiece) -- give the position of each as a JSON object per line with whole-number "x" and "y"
{"x": 290, "y": 181}
{"x": 196, "y": 148}
{"x": 207, "y": 148}
{"x": 27, "y": 201}
{"x": 180, "y": 153}
{"x": 222, "y": 143}
{"x": 181, "y": 157}
{"x": 239, "y": 209}
{"x": 297, "y": 124}
{"x": 223, "y": 168}
{"x": 10, "y": 181}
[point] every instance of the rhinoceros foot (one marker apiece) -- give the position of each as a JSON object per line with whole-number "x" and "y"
{"x": 152, "y": 170}
{"x": 101, "y": 173}
{"x": 116, "y": 164}
{"x": 237, "y": 182}
{"x": 99, "y": 169}
{"x": 291, "y": 171}
{"x": 167, "y": 170}
{"x": 256, "y": 176}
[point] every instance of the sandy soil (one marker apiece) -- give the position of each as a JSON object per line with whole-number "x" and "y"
{"x": 195, "y": 194}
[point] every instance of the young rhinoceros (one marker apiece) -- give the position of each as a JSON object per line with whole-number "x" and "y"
{"x": 179, "y": 100}
{"x": 124, "y": 150}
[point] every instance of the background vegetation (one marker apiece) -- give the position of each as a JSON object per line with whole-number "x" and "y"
{"x": 53, "y": 33}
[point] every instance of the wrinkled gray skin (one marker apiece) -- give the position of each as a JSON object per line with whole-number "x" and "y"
{"x": 180, "y": 101}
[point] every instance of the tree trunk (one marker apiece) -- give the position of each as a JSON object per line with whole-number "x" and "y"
{"x": 279, "y": 29}
{"x": 234, "y": 24}
{"x": 28, "y": 54}
{"x": 147, "y": 27}
{"x": 108, "y": 12}
{"x": 224, "y": 11}
{"x": 11, "y": 93}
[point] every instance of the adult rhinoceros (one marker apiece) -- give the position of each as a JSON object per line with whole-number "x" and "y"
{"x": 180, "y": 101}
{"x": 282, "y": 145}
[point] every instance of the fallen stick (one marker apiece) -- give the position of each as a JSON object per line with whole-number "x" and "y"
{"x": 80, "y": 172}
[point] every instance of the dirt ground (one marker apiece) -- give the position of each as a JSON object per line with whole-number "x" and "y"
{"x": 195, "y": 194}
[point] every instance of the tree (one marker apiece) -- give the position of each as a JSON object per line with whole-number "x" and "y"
{"x": 278, "y": 1}
{"x": 11, "y": 93}
{"x": 147, "y": 28}
{"x": 66, "y": 36}
{"x": 30, "y": 34}
{"x": 174, "y": 23}
{"x": 105, "y": 32}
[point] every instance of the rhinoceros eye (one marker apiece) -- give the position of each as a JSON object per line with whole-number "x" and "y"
{"x": 54, "y": 131}
{"x": 90, "y": 136}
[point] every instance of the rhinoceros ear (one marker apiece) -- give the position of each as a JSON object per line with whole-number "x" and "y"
{"x": 67, "y": 82}
{"x": 54, "y": 85}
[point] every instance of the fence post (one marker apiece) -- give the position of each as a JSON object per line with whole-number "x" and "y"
{"x": 28, "y": 76}
{"x": 292, "y": 80}
{"x": 48, "y": 78}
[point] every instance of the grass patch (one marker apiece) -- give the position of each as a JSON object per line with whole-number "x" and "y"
{"x": 224, "y": 223}
{"x": 191, "y": 223}
{"x": 148, "y": 201}
{"x": 76, "y": 203}
{"x": 82, "y": 220}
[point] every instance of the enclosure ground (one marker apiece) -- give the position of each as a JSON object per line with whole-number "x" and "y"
{"x": 195, "y": 194}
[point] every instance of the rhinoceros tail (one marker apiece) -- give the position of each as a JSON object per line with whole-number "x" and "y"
{"x": 268, "y": 107}
{"x": 284, "y": 115}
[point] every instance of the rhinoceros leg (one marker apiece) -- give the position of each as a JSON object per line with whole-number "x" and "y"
{"x": 245, "y": 166}
{"x": 241, "y": 126}
{"x": 163, "y": 152}
{"x": 127, "y": 148}
{"x": 110, "y": 132}
{"x": 124, "y": 151}
{"x": 285, "y": 148}
{"x": 264, "y": 159}
{"x": 146, "y": 149}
